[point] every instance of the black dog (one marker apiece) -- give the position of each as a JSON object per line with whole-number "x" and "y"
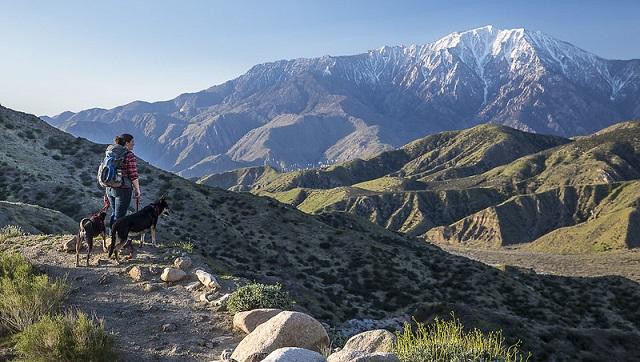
{"x": 89, "y": 229}
{"x": 139, "y": 222}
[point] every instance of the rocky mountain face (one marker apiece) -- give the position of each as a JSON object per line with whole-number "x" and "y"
{"x": 480, "y": 187}
{"x": 302, "y": 112}
{"x": 337, "y": 266}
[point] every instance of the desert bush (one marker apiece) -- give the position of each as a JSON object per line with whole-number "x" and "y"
{"x": 26, "y": 297}
{"x": 447, "y": 341}
{"x": 256, "y": 295}
{"x": 14, "y": 266}
{"x": 69, "y": 337}
{"x": 10, "y": 231}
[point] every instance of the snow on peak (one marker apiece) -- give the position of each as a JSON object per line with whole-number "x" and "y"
{"x": 489, "y": 52}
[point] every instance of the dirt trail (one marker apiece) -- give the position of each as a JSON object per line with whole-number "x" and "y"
{"x": 137, "y": 311}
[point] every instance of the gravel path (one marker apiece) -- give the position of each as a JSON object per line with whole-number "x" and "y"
{"x": 137, "y": 311}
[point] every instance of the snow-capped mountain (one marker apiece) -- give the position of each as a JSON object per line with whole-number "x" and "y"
{"x": 296, "y": 113}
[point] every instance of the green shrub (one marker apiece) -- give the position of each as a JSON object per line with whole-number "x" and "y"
{"x": 256, "y": 295}
{"x": 447, "y": 341}
{"x": 10, "y": 231}
{"x": 14, "y": 266}
{"x": 70, "y": 337}
{"x": 26, "y": 297}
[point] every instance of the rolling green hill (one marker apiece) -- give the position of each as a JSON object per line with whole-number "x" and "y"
{"x": 487, "y": 186}
{"x": 438, "y": 157}
{"x": 610, "y": 155}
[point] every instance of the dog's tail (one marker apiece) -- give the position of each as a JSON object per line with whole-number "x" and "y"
{"x": 113, "y": 241}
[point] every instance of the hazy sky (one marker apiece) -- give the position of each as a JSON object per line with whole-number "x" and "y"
{"x": 71, "y": 55}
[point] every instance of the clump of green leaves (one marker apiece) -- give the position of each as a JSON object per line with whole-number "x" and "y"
{"x": 69, "y": 337}
{"x": 447, "y": 341}
{"x": 26, "y": 296}
{"x": 256, "y": 295}
{"x": 10, "y": 231}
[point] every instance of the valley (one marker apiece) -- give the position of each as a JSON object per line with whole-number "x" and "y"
{"x": 621, "y": 263}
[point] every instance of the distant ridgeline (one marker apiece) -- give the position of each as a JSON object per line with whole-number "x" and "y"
{"x": 487, "y": 186}
{"x": 301, "y": 112}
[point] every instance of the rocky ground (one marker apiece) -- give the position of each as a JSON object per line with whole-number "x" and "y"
{"x": 152, "y": 320}
{"x": 623, "y": 263}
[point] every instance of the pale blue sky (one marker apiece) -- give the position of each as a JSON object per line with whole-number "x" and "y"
{"x": 71, "y": 55}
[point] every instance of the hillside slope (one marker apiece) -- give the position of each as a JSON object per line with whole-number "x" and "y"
{"x": 35, "y": 219}
{"x": 338, "y": 266}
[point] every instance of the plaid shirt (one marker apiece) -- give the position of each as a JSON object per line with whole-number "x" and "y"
{"x": 130, "y": 166}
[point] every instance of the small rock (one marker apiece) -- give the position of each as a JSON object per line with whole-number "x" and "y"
{"x": 207, "y": 279}
{"x": 139, "y": 274}
{"x": 172, "y": 275}
{"x": 208, "y": 297}
{"x": 169, "y": 327}
{"x": 70, "y": 245}
{"x": 222, "y": 300}
{"x": 148, "y": 287}
{"x": 183, "y": 262}
{"x": 192, "y": 286}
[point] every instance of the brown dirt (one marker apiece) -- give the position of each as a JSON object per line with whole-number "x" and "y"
{"x": 134, "y": 315}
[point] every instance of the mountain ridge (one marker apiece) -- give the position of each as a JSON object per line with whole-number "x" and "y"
{"x": 346, "y": 107}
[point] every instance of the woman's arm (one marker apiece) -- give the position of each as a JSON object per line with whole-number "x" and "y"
{"x": 132, "y": 173}
{"x": 136, "y": 188}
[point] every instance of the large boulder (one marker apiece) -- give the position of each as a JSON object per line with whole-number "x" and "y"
{"x": 292, "y": 354}
{"x": 207, "y": 279}
{"x": 286, "y": 329}
{"x": 346, "y": 355}
{"x": 172, "y": 275}
{"x": 379, "y": 340}
{"x": 248, "y": 321}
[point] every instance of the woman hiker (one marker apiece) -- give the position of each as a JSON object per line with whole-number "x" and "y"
{"x": 120, "y": 197}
